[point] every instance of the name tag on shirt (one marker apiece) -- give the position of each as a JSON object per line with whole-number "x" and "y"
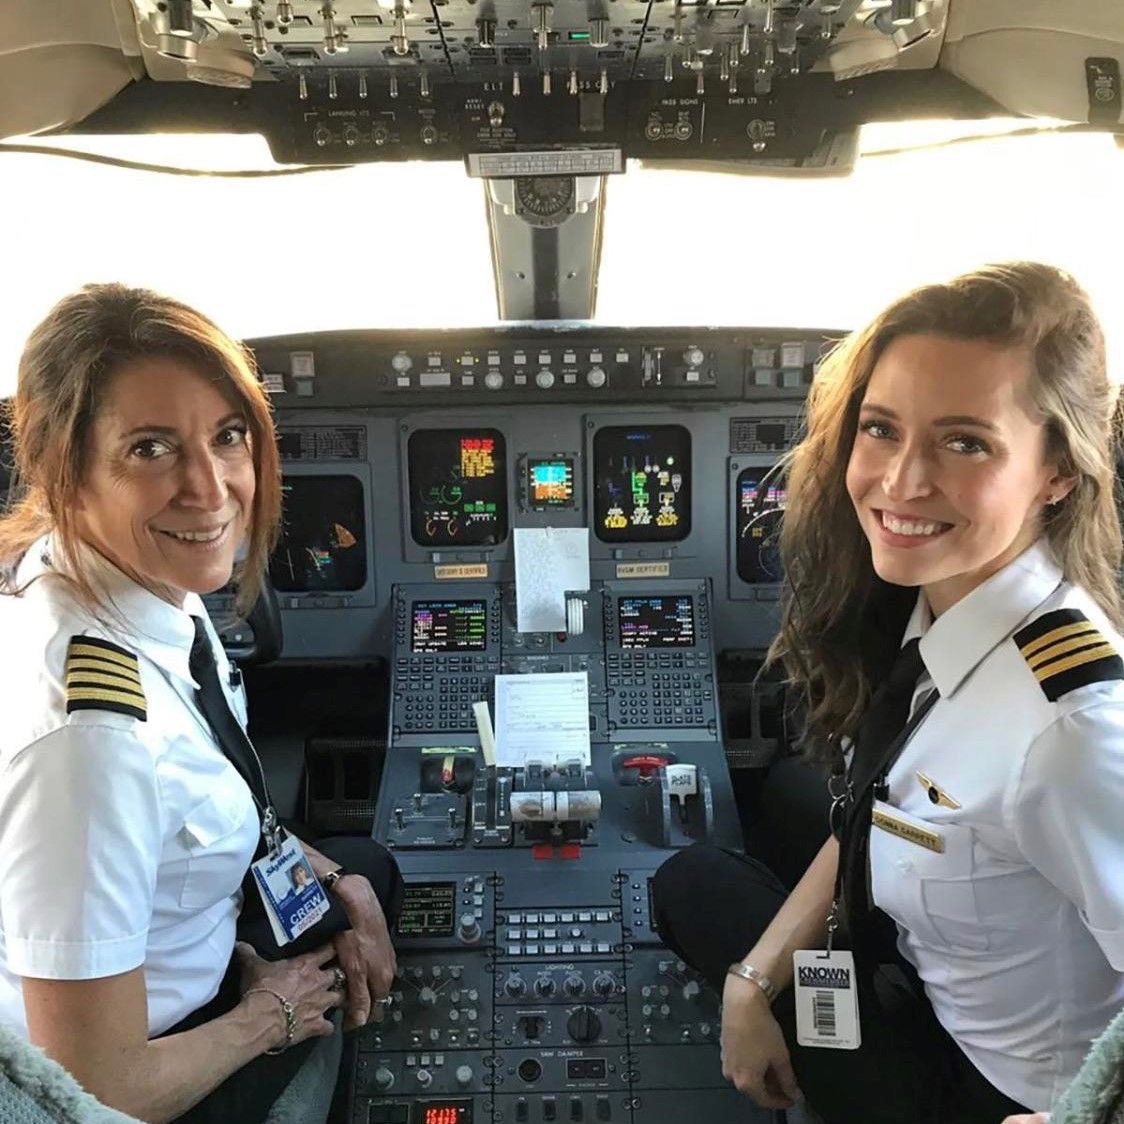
{"x": 292, "y": 895}
{"x": 827, "y": 1002}
{"x": 910, "y": 832}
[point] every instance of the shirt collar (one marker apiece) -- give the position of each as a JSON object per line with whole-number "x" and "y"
{"x": 152, "y": 625}
{"x": 959, "y": 639}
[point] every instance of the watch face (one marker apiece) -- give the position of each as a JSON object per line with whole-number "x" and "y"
{"x": 545, "y": 197}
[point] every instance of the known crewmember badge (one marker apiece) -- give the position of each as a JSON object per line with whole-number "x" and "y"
{"x": 103, "y": 676}
{"x": 1065, "y": 650}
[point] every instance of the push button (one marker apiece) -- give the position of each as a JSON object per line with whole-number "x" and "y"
{"x": 576, "y": 1110}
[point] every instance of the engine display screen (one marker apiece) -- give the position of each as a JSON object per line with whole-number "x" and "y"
{"x": 458, "y": 487}
{"x": 656, "y": 622}
{"x": 428, "y": 910}
{"x": 643, "y": 483}
{"x": 758, "y": 526}
{"x": 323, "y": 542}
{"x": 550, "y": 482}
{"x": 449, "y": 626}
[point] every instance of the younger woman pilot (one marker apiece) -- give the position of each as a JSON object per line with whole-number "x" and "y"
{"x": 955, "y": 488}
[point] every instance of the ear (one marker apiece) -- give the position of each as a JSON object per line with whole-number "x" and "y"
{"x": 1057, "y": 488}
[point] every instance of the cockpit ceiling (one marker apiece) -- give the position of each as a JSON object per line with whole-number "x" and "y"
{"x": 764, "y": 81}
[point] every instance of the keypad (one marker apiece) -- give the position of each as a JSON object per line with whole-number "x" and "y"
{"x": 660, "y": 688}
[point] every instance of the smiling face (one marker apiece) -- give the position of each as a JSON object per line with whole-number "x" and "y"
{"x": 169, "y": 483}
{"x": 948, "y": 472}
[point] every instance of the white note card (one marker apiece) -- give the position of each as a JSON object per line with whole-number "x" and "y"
{"x": 549, "y": 562}
{"x": 542, "y": 717}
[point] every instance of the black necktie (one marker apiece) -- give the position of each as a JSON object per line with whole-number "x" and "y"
{"x": 882, "y": 725}
{"x": 227, "y": 729}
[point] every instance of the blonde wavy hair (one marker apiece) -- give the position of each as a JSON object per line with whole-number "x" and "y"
{"x": 69, "y": 361}
{"x": 841, "y": 624}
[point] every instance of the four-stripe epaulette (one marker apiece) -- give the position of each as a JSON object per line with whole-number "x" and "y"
{"x": 1065, "y": 650}
{"x": 101, "y": 675}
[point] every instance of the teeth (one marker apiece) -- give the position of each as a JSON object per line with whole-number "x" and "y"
{"x": 907, "y": 527}
{"x": 196, "y": 536}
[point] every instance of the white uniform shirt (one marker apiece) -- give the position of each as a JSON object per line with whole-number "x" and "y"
{"x": 1017, "y": 928}
{"x": 122, "y": 842}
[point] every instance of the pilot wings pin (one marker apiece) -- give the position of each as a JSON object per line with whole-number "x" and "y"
{"x": 935, "y": 793}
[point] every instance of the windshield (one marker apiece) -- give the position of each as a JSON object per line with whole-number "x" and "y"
{"x": 406, "y": 245}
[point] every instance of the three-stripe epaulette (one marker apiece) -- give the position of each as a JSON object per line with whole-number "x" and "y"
{"x": 1065, "y": 650}
{"x": 101, "y": 675}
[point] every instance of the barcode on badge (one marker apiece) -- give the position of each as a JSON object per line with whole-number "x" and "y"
{"x": 823, "y": 1013}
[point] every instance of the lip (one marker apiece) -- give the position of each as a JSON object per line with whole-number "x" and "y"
{"x": 222, "y": 528}
{"x": 908, "y": 542}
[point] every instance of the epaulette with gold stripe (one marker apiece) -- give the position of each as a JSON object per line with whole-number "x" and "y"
{"x": 1065, "y": 650}
{"x": 101, "y": 675}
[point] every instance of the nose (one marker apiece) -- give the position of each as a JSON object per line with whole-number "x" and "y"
{"x": 203, "y": 484}
{"x": 908, "y": 473}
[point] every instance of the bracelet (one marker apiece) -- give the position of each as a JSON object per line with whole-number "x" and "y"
{"x": 330, "y": 879}
{"x": 290, "y": 1013}
{"x": 745, "y": 972}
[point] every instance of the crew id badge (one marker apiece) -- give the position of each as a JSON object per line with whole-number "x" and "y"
{"x": 827, "y": 1002}
{"x": 292, "y": 895}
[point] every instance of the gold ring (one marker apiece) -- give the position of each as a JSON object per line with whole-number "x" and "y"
{"x": 339, "y": 981}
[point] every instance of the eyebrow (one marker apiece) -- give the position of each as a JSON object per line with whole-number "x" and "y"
{"x": 170, "y": 431}
{"x": 948, "y": 419}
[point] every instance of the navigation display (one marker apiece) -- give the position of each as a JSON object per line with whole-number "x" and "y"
{"x": 643, "y": 483}
{"x": 550, "y": 482}
{"x": 458, "y": 487}
{"x": 656, "y": 622}
{"x": 323, "y": 543}
{"x": 758, "y": 526}
{"x": 449, "y": 626}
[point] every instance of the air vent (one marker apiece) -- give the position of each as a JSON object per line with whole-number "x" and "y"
{"x": 482, "y": 56}
{"x": 369, "y": 20}
{"x": 517, "y": 56}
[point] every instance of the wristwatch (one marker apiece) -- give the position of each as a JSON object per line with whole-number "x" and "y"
{"x": 759, "y": 978}
{"x": 333, "y": 876}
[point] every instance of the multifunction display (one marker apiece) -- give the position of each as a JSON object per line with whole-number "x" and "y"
{"x": 550, "y": 482}
{"x": 760, "y": 498}
{"x": 656, "y": 622}
{"x": 427, "y": 910}
{"x": 449, "y": 626}
{"x": 458, "y": 487}
{"x": 643, "y": 483}
{"x": 323, "y": 543}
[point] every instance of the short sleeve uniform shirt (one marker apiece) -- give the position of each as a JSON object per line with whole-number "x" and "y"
{"x": 1001, "y": 847}
{"x": 124, "y": 830}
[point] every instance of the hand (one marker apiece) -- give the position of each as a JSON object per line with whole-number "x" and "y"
{"x": 364, "y": 951}
{"x": 303, "y": 980}
{"x": 1029, "y": 1118}
{"x": 754, "y": 1055}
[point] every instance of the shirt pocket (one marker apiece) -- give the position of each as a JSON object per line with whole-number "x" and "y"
{"x": 931, "y": 894}
{"x": 219, "y": 847}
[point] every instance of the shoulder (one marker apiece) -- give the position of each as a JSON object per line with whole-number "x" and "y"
{"x": 67, "y": 668}
{"x": 1071, "y": 652}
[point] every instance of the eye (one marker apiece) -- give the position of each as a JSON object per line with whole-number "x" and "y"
{"x": 875, "y": 428}
{"x": 232, "y": 436}
{"x": 967, "y": 444}
{"x": 150, "y": 449}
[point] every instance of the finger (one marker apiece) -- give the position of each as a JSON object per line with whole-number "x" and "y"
{"x": 358, "y": 1000}
{"x": 245, "y": 953}
{"x": 319, "y": 956}
{"x": 786, "y": 1079}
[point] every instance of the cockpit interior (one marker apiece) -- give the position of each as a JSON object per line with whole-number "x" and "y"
{"x": 549, "y": 494}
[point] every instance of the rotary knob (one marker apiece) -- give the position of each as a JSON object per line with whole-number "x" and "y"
{"x": 584, "y": 1025}
{"x": 515, "y": 986}
{"x": 468, "y": 929}
{"x": 493, "y": 380}
{"x": 464, "y": 1076}
{"x": 425, "y": 1078}
{"x": 384, "y": 1078}
{"x": 427, "y": 997}
{"x": 544, "y": 380}
{"x": 321, "y": 136}
{"x": 401, "y": 362}
{"x": 694, "y": 356}
{"x": 544, "y": 987}
{"x": 573, "y": 985}
{"x": 691, "y": 990}
{"x": 604, "y": 984}
{"x": 596, "y": 377}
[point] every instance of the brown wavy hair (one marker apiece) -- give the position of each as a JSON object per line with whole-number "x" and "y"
{"x": 69, "y": 360}
{"x": 841, "y": 624}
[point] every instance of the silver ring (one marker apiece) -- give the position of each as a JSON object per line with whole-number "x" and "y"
{"x": 385, "y": 1001}
{"x": 339, "y": 980}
